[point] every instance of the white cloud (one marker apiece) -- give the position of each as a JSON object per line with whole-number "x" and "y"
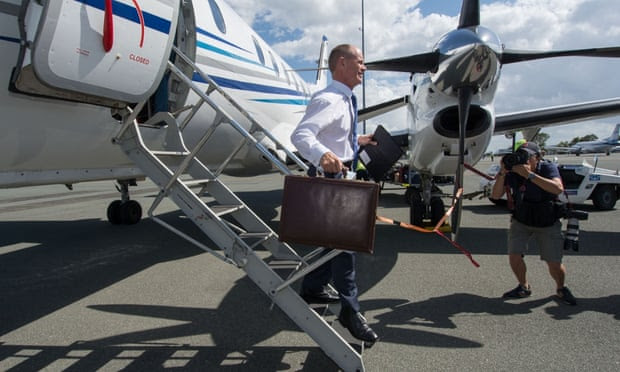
{"x": 397, "y": 28}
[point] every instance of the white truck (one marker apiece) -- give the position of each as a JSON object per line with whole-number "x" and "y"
{"x": 581, "y": 182}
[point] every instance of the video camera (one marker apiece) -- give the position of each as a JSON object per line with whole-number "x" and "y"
{"x": 515, "y": 158}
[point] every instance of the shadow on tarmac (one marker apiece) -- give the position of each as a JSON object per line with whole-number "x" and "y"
{"x": 52, "y": 273}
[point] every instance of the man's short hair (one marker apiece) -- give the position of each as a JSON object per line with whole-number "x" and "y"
{"x": 342, "y": 50}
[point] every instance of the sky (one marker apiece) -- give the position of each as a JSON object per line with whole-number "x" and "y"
{"x": 398, "y": 28}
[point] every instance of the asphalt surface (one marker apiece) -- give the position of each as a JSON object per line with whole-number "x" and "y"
{"x": 79, "y": 294}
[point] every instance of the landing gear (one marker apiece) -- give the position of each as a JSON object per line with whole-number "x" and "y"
{"x": 416, "y": 206}
{"x": 124, "y": 211}
{"x": 437, "y": 210}
{"x": 425, "y": 206}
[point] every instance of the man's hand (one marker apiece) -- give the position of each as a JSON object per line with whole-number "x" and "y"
{"x": 522, "y": 170}
{"x": 330, "y": 163}
{"x": 366, "y": 139}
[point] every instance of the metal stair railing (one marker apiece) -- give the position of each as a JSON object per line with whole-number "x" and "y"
{"x": 255, "y": 125}
{"x": 226, "y": 220}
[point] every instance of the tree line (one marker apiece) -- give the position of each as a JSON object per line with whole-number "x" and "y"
{"x": 541, "y": 139}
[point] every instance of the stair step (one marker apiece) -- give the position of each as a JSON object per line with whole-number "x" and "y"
{"x": 170, "y": 153}
{"x": 201, "y": 182}
{"x": 250, "y": 235}
{"x": 221, "y": 210}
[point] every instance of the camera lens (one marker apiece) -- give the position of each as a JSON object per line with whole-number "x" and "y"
{"x": 571, "y": 237}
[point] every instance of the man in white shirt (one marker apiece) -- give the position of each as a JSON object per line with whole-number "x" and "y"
{"x": 326, "y": 137}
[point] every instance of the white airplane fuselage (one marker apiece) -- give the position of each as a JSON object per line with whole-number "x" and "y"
{"x": 47, "y": 140}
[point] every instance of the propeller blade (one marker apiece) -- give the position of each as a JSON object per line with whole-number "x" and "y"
{"x": 470, "y": 14}
{"x": 512, "y": 56}
{"x": 424, "y": 62}
{"x": 465, "y": 96}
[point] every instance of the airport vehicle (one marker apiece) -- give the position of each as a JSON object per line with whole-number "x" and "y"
{"x": 605, "y": 145}
{"x": 582, "y": 182}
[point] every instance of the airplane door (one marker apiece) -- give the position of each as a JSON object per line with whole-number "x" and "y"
{"x": 116, "y": 49}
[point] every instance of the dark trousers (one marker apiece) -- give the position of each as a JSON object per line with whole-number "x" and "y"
{"x": 340, "y": 268}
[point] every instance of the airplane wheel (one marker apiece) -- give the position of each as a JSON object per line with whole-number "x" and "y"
{"x": 437, "y": 210}
{"x": 604, "y": 197}
{"x": 409, "y": 194}
{"x": 114, "y": 212}
{"x": 131, "y": 212}
{"x": 416, "y": 210}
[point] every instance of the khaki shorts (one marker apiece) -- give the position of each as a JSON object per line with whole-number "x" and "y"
{"x": 549, "y": 240}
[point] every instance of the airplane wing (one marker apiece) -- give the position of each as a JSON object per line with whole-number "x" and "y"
{"x": 557, "y": 115}
{"x": 381, "y": 108}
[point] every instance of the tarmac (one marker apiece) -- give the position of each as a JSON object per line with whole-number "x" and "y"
{"x": 80, "y": 294}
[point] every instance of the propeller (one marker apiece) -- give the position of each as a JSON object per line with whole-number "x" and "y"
{"x": 470, "y": 14}
{"x": 421, "y": 63}
{"x": 429, "y": 62}
{"x": 512, "y": 56}
{"x": 465, "y": 95}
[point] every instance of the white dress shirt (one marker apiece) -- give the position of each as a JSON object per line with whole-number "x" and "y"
{"x": 326, "y": 126}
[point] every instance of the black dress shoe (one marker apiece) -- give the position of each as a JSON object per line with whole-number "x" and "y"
{"x": 326, "y": 296}
{"x": 356, "y": 324}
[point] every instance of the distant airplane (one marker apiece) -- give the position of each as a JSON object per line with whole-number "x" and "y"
{"x": 605, "y": 145}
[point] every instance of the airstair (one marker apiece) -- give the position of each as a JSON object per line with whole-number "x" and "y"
{"x": 243, "y": 239}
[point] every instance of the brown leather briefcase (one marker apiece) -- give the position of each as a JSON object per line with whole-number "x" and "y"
{"x": 330, "y": 213}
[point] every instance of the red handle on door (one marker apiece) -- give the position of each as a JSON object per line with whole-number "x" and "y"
{"x": 108, "y": 26}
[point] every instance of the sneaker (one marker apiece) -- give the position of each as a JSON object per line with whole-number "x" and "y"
{"x": 565, "y": 295}
{"x": 519, "y": 292}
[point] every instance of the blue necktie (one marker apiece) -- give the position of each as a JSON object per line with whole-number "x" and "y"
{"x": 354, "y": 133}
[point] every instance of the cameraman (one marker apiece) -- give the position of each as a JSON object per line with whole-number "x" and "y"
{"x": 531, "y": 185}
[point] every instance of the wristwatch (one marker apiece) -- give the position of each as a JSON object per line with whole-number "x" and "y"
{"x": 531, "y": 176}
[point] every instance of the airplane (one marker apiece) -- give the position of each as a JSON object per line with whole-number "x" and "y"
{"x": 64, "y": 137}
{"x": 169, "y": 89}
{"x": 76, "y": 73}
{"x": 451, "y": 114}
{"x": 53, "y": 134}
{"x": 605, "y": 145}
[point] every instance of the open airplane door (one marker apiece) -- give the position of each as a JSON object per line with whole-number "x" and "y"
{"x": 106, "y": 52}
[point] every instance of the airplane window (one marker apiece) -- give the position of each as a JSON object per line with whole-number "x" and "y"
{"x": 217, "y": 16}
{"x": 275, "y": 64}
{"x": 259, "y": 51}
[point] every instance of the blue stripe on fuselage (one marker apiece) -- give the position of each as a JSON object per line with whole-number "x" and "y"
{"x": 214, "y": 37}
{"x": 222, "y": 52}
{"x": 298, "y": 102}
{"x": 252, "y": 87}
{"x": 129, "y": 13}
